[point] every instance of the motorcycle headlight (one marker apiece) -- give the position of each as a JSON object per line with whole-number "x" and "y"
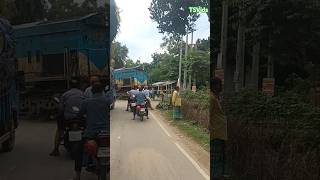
{"x": 2, "y": 42}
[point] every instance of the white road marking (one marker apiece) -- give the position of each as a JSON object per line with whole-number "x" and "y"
{"x": 118, "y": 137}
{"x": 194, "y": 163}
{"x": 164, "y": 129}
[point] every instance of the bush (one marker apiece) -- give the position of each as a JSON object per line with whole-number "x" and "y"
{"x": 272, "y": 137}
{"x": 195, "y": 106}
{"x": 163, "y": 105}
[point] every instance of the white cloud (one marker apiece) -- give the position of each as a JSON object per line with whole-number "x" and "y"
{"x": 140, "y": 34}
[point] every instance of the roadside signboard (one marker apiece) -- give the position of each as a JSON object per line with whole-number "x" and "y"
{"x": 194, "y": 88}
{"x": 268, "y": 86}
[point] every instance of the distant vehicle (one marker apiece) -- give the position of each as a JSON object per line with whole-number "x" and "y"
{"x": 50, "y": 53}
{"x": 126, "y": 78}
{"x": 9, "y": 80}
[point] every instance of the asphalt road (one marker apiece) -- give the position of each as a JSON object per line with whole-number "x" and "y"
{"x": 139, "y": 151}
{"x": 30, "y": 158}
{"x": 147, "y": 150}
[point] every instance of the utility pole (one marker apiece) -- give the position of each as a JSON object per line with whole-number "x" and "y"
{"x": 180, "y": 60}
{"x": 222, "y": 71}
{"x": 185, "y": 65}
{"x": 190, "y": 67}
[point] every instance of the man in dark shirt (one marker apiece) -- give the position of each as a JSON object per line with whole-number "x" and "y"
{"x": 97, "y": 109}
{"x": 69, "y": 99}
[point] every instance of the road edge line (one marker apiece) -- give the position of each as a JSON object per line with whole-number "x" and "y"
{"x": 163, "y": 128}
{"x": 193, "y": 162}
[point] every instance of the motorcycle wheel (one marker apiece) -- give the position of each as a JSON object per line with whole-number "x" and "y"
{"x": 141, "y": 117}
{"x": 102, "y": 173}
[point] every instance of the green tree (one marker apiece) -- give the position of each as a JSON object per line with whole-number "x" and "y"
{"x": 174, "y": 17}
{"x": 23, "y": 11}
{"x": 119, "y": 54}
{"x": 130, "y": 63}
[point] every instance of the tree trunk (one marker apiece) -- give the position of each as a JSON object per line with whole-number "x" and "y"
{"x": 190, "y": 78}
{"x": 224, "y": 36}
{"x": 255, "y": 66}
{"x": 239, "y": 73}
{"x": 270, "y": 62}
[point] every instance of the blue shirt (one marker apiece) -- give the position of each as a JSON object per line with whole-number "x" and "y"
{"x": 146, "y": 92}
{"x": 69, "y": 99}
{"x": 133, "y": 92}
{"x": 97, "y": 109}
{"x": 140, "y": 97}
{"x": 88, "y": 92}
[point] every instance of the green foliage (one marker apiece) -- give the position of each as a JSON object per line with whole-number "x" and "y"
{"x": 199, "y": 98}
{"x": 174, "y": 17}
{"x": 119, "y": 54}
{"x": 287, "y": 109}
{"x": 288, "y": 31}
{"x": 272, "y": 129}
{"x": 129, "y": 63}
{"x": 165, "y": 66}
{"x": 23, "y": 11}
{"x": 163, "y": 105}
{"x": 195, "y": 131}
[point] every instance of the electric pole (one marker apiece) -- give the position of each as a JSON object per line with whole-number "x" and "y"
{"x": 185, "y": 65}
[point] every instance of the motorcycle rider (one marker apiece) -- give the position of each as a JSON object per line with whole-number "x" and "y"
{"x": 140, "y": 100}
{"x": 88, "y": 91}
{"x": 147, "y": 93}
{"x": 69, "y": 99}
{"x": 132, "y": 92}
{"x": 97, "y": 120}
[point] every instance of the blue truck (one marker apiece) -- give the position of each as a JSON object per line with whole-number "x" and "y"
{"x": 9, "y": 79}
{"x": 49, "y": 53}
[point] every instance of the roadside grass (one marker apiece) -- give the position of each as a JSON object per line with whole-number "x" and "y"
{"x": 191, "y": 129}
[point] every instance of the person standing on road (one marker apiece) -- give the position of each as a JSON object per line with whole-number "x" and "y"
{"x": 96, "y": 108}
{"x": 218, "y": 131}
{"x": 69, "y": 99}
{"x": 146, "y": 92}
{"x": 176, "y": 103}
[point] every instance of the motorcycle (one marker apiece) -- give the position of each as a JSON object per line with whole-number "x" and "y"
{"x": 73, "y": 130}
{"x": 142, "y": 110}
{"x": 99, "y": 148}
{"x": 132, "y": 103}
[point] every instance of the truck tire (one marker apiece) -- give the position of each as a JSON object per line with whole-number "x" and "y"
{"x": 8, "y": 145}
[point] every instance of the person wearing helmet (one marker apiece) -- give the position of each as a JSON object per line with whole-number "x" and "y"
{"x": 73, "y": 97}
{"x": 96, "y": 109}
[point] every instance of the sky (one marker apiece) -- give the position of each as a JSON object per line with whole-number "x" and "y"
{"x": 140, "y": 34}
